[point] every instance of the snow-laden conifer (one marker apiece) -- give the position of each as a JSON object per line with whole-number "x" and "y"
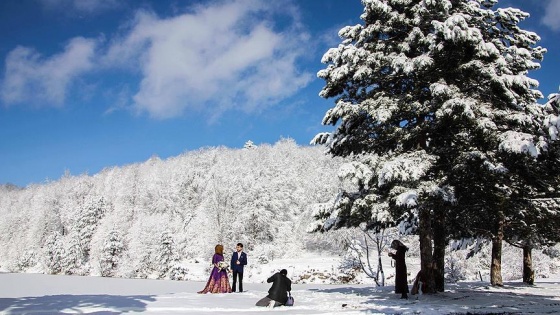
{"x": 113, "y": 248}
{"x": 428, "y": 92}
{"x": 54, "y": 253}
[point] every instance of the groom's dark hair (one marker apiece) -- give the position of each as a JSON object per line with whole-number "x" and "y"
{"x": 284, "y": 272}
{"x": 240, "y": 245}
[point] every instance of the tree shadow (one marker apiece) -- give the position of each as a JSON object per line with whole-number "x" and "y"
{"x": 66, "y": 303}
{"x": 461, "y": 299}
{"x": 361, "y": 291}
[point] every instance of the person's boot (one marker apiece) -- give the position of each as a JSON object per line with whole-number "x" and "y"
{"x": 404, "y": 296}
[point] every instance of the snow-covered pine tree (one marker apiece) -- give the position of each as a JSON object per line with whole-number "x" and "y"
{"x": 538, "y": 225}
{"x": 526, "y": 164}
{"x": 498, "y": 170}
{"x": 53, "y": 253}
{"x": 74, "y": 259}
{"x": 163, "y": 255}
{"x": 113, "y": 247}
{"x": 424, "y": 90}
{"x": 249, "y": 145}
{"x": 257, "y": 224}
{"x": 91, "y": 211}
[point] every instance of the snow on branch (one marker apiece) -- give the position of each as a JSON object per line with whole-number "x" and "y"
{"x": 552, "y": 121}
{"x": 454, "y": 105}
{"x": 457, "y": 30}
{"x": 408, "y": 199}
{"x": 321, "y": 138}
{"x": 357, "y": 173}
{"x": 406, "y": 167}
{"x": 518, "y": 142}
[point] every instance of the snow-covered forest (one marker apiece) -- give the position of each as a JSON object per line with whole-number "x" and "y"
{"x": 438, "y": 133}
{"x": 144, "y": 220}
{"x": 155, "y": 219}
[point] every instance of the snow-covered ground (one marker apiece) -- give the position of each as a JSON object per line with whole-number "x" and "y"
{"x": 47, "y": 294}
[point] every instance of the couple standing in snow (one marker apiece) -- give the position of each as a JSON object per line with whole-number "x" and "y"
{"x": 218, "y": 281}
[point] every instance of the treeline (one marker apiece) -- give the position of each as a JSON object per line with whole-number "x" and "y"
{"x": 143, "y": 220}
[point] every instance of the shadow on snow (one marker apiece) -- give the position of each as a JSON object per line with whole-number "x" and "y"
{"x": 50, "y": 304}
{"x": 474, "y": 297}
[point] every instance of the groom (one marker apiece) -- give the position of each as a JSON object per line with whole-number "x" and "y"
{"x": 238, "y": 260}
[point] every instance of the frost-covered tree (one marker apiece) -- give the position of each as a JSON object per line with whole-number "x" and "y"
{"x": 74, "y": 258}
{"x": 363, "y": 245}
{"x": 249, "y": 145}
{"x": 54, "y": 253}
{"x": 538, "y": 225}
{"x": 91, "y": 211}
{"x": 258, "y": 224}
{"x": 113, "y": 248}
{"x": 425, "y": 91}
{"x": 524, "y": 188}
{"x": 221, "y": 193}
{"x": 164, "y": 255}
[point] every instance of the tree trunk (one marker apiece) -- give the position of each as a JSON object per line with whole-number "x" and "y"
{"x": 528, "y": 272}
{"x": 426, "y": 258}
{"x": 380, "y": 237}
{"x": 380, "y": 272}
{"x": 439, "y": 253}
{"x": 496, "y": 266}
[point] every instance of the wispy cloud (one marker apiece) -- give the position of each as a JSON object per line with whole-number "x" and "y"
{"x": 552, "y": 12}
{"x": 83, "y": 6}
{"x": 218, "y": 57}
{"x": 228, "y": 55}
{"x": 44, "y": 81}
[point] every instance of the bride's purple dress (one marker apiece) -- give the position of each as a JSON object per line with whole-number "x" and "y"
{"x": 218, "y": 281}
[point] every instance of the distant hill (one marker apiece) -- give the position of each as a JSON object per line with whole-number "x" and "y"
{"x": 142, "y": 220}
{"x": 155, "y": 219}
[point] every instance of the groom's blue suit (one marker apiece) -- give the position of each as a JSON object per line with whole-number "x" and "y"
{"x": 238, "y": 269}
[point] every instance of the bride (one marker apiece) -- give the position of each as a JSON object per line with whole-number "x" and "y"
{"x": 218, "y": 281}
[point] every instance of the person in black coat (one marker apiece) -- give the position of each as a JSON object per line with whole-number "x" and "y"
{"x": 278, "y": 293}
{"x": 401, "y": 284}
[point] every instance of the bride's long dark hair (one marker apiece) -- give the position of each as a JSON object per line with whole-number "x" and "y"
{"x": 219, "y": 249}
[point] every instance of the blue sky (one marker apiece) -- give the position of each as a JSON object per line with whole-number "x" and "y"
{"x": 90, "y": 84}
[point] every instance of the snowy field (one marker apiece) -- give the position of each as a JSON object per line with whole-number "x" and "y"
{"x": 44, "y": 294}
{"x": 47, "y": 294}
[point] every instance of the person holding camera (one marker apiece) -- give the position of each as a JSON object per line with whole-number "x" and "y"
{"x": 278, "y": 293}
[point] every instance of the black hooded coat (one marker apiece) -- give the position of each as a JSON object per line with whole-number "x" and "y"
{"x": 401, "y": 284}
{"x": 280, "y": 287}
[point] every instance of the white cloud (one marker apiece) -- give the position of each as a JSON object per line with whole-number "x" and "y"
{"x": 44, "y": 81}
{"x": 84, "y": 6}
{"x": 217, "y": 57}
{"x": 552, "y": 12}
